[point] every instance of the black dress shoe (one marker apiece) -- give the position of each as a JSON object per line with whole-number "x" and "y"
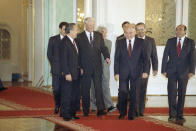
{"x": 101, "y": 113}
{"x": 131, "y": 118}
{"x": 141, "y": 114}
{"x": 121, "y": 117}
{"x": 112, "y": 109}
{"x": 85, "y": 115}
{"x": 56, "y": 110}
{"x": 171, "y": 119}
{"x": 93, "y": 111}
{"x": 67, "y": 118}
{"x": 75, "y": 118}
{"x": 180, "y": 118}
{"x": 3, "y": 88}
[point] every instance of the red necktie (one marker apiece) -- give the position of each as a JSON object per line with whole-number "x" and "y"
{"x": 74, "y": 43}
{"x": 179, "y": 47}
{"x": 130, "y": 48}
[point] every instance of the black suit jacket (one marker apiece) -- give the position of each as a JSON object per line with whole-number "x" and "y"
{"x": 90, "y": 55}
{"x": 138, "y": 63}
{"x": 118, "y": 38}
{"x": 53, "y": 54}
{"x": 152, "y": 52}
{"x": 68, "y": 58}
{"x": 182, "y": 65}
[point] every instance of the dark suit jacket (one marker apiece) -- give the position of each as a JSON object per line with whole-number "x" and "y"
{"x": 152, "y": 52}
{"x": 137, "y": 64}
{"x": 68, "y": 58}
{"x": 90, "y": 56}
{"x": 117, "y": 38}
{"x": 53, "y": 54}
{"x": 182, "y": 65}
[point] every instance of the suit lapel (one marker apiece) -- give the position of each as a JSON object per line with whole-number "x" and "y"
{"x": 71, "y": 44}
{"x": 85, "y": 37}
{"x": 184, "y": 46}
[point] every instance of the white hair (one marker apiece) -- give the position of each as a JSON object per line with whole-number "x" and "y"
{"x": 88, "y": 19}
{"x": 100, "y": 28}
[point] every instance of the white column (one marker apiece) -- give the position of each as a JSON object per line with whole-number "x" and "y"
{"x": 74, "y": 11}
{"x": 179, "y": 11}
{"x": 87, "y": 8}
{"x": 185, "y": 14}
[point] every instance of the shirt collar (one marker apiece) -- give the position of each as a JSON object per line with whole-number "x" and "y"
{"x": 142, "y": 37}
{"x": 70, "y": 38}
{"x": 61, "y": 36}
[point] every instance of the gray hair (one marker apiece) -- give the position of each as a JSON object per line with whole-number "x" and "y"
{"x": 100, "y": 28}
{"x": 87, "y": 19}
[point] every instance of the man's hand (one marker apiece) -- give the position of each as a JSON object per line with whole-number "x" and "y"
{"x": 108, "y": 61}
{"x": 144, "y": 75}
{"x": 155, "y": 73}
{"x": 116, "y": 77}
{"x": 165, "y": 74}
{"x": 81, "y": 71}
{"x": 68, "y": 77}
{"x": 190, "y": 75}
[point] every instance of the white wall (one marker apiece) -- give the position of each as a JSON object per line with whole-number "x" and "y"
{"x": 111, "y": 13}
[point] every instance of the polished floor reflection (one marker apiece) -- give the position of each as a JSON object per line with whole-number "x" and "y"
{"x": 29, "y": 124}
{"x": 190, "y": 121}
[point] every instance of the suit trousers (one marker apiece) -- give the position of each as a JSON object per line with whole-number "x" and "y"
{"x": 176, "y": 87}
{"x": 86, "y": 79}
{"x": 123, "y": 96}
{"x": 141, "y": 95}
{"x": 69, "y": 92}
{"x": 56, "y": 81}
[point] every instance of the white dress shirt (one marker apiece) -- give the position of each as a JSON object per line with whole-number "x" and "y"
{"x": 88, "y": 35}
{"x": 132, "y": 42}
{"x": 181, "y": 41}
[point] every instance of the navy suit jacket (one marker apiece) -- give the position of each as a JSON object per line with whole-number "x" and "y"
{"x": 53, "y": 54}
{"x": 179, "y": 65}
{"x": 136, "y": 64}
{"x": 69, "y": 58}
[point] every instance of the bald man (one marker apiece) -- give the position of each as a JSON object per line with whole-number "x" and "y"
{"x": 178, "y": 65}
{"x": 130, "y": 65}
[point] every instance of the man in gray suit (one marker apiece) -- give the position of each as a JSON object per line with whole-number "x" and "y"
{"x": 152, "y": 54}
{"x": 105, "y": 78}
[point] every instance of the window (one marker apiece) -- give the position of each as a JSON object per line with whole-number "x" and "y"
{"x": 4, "y": 45}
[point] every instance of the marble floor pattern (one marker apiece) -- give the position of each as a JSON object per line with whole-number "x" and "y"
{"x": 38, "y": 124}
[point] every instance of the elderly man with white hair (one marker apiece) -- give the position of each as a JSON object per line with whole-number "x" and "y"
{"x": 91, "y": 45}
{"x": 105, "y": 77}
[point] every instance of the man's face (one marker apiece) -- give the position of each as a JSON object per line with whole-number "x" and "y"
{"x": 141, "y": 31}
{"x": 74, "y": 32}
{"x": 129, "y": 32}
{"x": 62, "y": 30}
{"x": 104, "y": 33}
{"x": 125, "y": 26}
{"x": 180, "y": 31}
{"x": 90, "y": 26}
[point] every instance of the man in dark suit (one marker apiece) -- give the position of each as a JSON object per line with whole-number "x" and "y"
{"x": 91, "y": 45}
{"x": 130, "y": 65}
{"x": 124, "y": 25}
{"x": 152, "y": 54}
{"x": 70, "y": 73}
{"x": 53, "y": 57}
{"x": 178, "y": 65}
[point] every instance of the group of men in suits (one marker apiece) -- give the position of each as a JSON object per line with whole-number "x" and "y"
{"x": 76, "y": 60}
{"x": 133, "y": 58}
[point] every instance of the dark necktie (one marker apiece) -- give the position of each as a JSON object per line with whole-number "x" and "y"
{"x": 130, "y": 48}
{"x": 74, "y": 43}
{"x": 91, "y": 39}
{"x": 179, "y": 47}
